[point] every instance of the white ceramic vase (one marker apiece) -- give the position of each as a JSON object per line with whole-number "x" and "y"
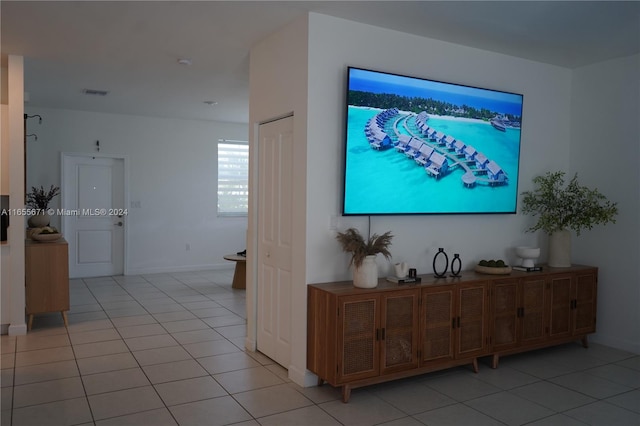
{"x": 39, "y": 220}
{"x": 366, "y": 275}
{"x": 560, "y": 249}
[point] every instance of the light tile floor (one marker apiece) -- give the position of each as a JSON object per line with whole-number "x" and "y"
{"x": 168, "y": 349}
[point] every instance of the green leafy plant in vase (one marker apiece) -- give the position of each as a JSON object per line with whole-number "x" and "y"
{"x": 39, "y": 199}
{"x": 561, "y": 208}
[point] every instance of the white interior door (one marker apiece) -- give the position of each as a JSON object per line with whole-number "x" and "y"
{"x": 94, "y": 214}
{"x": 274, "y": 236}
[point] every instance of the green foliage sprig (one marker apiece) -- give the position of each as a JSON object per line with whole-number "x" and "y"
{"x": 38, "y": 198}
{"x": 352, "y": 242}
{"x": 561, "y": 207}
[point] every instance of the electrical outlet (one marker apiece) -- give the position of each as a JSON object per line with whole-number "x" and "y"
{"x": 333, "y": 223}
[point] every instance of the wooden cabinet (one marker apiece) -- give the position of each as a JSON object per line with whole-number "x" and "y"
{"x": 357, "y": 337}
{"x": 454, "y": 323}
{"x": 519, "y": 312}
{"x": 377, "y": 334}
{"x": 371, "y": 334}
{"x": 542, "y": 309}
{"x": 438, "y": 323}
{"x": 573, "y": 304}
{"x": 399, "y": 330}
{"x": 46, "y": 278}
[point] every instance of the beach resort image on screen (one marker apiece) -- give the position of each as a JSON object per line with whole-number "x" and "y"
{"x": 422, "y": 146}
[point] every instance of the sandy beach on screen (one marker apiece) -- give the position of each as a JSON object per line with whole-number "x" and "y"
{"x": 465, "y": 119}
{"x": 441, "y": 117}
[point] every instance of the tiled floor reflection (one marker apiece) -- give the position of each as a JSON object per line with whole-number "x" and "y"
{"x": 167, "y": 349}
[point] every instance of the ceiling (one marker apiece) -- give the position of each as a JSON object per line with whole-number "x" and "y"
{"x": 131, "y": 49}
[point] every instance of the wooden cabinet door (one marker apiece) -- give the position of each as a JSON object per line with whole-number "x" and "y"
{"x": 471, "y": 324}
{"x": 46, "y": 277}
{"x": 437, "y": 323}
{"x": 534, "y": 311}
{"x": 400, "y": 324}
{"x": 358, "y": 322}
{"x": 560, "y": 287}
{"x": 505, "y": 310}
{"x": 584, "y": 305}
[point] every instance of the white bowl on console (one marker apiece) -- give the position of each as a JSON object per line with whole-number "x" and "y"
{"x": 528, "y": 255}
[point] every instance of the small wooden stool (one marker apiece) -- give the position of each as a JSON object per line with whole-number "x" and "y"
{"x": 240, "y": 273}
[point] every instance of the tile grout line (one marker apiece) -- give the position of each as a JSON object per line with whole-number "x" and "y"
{"x": 141, "y": 367}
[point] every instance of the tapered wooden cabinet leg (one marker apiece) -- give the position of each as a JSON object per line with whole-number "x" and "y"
{"x": 346, "y": 393}
{"x": 494, "y": 361}
{"x": 475, "y": 365}
{"x": 30, "y": 322}
{"x": 320, "y": 381}
{"x": 585, "y": 342}
{"x": 64, "y": 318}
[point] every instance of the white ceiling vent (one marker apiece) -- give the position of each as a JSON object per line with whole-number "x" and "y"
{"x": 95, "y": 92}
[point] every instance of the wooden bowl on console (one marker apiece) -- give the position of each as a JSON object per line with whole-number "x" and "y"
{"x": 493, "y": 270}
{"x": 46, "y": 238}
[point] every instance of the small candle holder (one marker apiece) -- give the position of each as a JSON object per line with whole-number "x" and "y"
{"x": 456, "y": 265}
{"x": 446, "y": 265}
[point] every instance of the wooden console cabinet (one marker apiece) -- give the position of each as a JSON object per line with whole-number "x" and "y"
{"x": 46, "y": 278}
{"x": 544, "y": 309}
{"x": 358, "y": 337}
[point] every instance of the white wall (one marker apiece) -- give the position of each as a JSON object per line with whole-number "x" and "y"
{"x": 605, "y": 149}
{"x": 5, "y": 300}
{"x": 173, "y": 175}
{"x": 336, "y": 43}
{"x": 278, "y": 86}
{"x": 13, "y": 297}
{"x": 332, "y": 45}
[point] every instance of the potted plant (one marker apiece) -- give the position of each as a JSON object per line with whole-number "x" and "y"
{"x": 561, "y": 207}
{"x": 363, "y": 255}
{"x": 39, "y": 199}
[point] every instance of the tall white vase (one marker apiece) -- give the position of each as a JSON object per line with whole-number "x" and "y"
{"x": 366, "y": 275}
{"x": 560, "y": 249}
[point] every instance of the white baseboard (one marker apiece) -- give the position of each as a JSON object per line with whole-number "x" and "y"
{"x": 250, "y": 344}
{"x": 169, "y": 269}
{"x": 17, "y": 329}
{"x": 304, "y": 378}
{"x": 625, "y": 345}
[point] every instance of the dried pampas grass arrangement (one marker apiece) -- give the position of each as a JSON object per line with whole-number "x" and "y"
{"x": 352, "y": 242}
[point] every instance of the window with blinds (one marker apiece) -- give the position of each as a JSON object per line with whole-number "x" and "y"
{"x": 233, "y": 178}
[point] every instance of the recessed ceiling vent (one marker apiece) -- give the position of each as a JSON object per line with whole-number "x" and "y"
{"x": 95, "y": 92}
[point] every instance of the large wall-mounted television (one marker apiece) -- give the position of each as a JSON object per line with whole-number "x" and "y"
{"x": 419, "y": 146}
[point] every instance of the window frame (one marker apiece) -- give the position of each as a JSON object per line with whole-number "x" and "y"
{"x": 227, "y": 212}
